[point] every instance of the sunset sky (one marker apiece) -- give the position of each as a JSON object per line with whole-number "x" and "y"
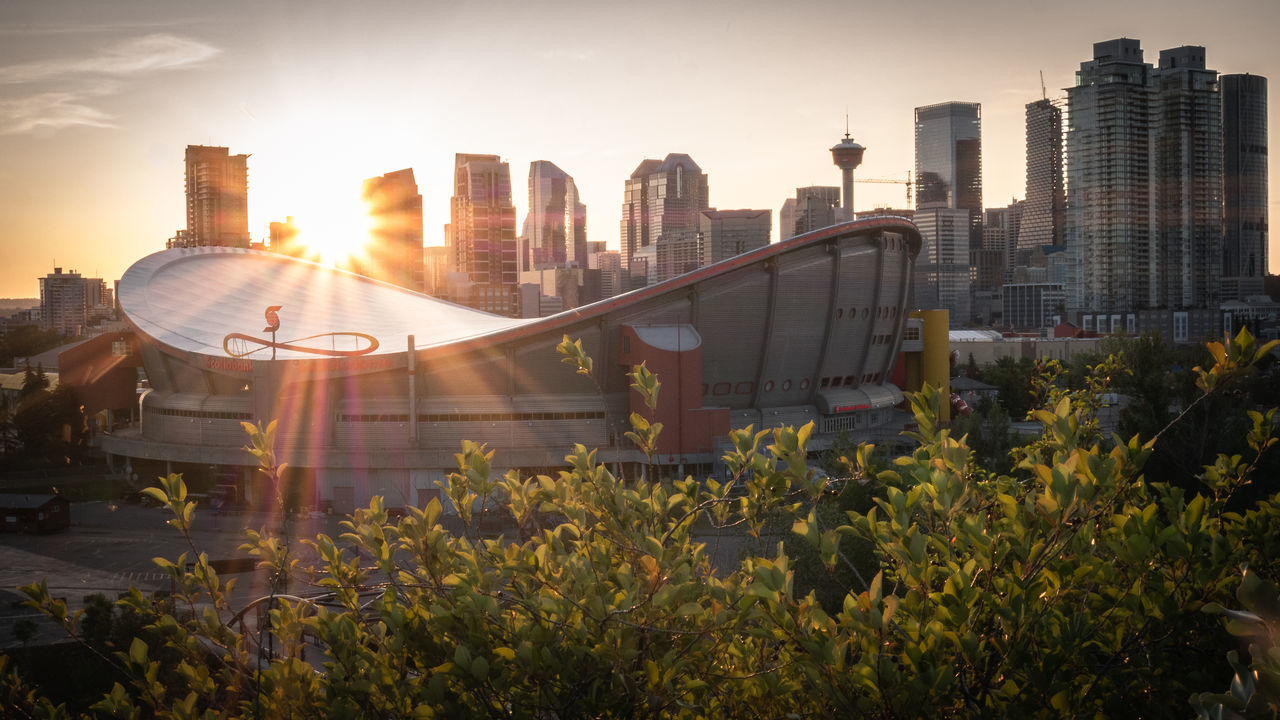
{"x": 98, "y": 100}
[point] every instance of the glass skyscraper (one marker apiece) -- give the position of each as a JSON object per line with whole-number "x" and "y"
{"x": 555, "y": 230}
{"x": 481, "y": 237}
{"x": 949, "y": 161}
{"x": 1188, "y": 176}
{"x": 661, "y": 206}
{"x": 1244, "y": 174}
{"x": 394, "y": 254}
{"x": 948, "y": 204}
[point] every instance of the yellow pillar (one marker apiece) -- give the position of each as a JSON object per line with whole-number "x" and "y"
{"x": 936, "y": 363}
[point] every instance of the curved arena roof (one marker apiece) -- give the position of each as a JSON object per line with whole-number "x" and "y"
{"x": 192, "y": 299}
{"x": 215, "y": 301}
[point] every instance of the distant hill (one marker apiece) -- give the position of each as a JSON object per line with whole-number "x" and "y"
{"x": 8, "y": 305}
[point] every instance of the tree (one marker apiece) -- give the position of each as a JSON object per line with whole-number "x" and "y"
{"x": 49, "y": 426}
{"x": 1013, "y": 378}
{"x": 988, "y": 433}
{"x": 28, "y": 340}
{"x": 33, "y": 381}
{"x": 1074, "y": 585}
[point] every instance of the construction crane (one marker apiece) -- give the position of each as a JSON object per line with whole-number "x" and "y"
{"x": 891, "y": 181}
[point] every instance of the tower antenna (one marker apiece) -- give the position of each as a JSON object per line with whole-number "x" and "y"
{"x": 1043, "y": 92}
{"x": 846, "y": 121}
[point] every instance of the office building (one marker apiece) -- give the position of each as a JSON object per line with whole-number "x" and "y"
{"x": 283, "y": 238}
{"x": 813, "y": 207}
{"x": 481, "y": 235}
{"x": 1001, "y": 228}
{"x": 661, "y": 204}
{"x": 1244, "y": 185}
{"x": 942, "y": 268}
{"x": 787, "y": 219}
{"x": 1031, "y": 306}
{"x": 949, "y": 161}
{"x": 217, "y": 186}
{"x": 394, "y": 251}
{"x": 726, "y": 233}
{"x": 435, "y": 270}
{"x": 553, "y": 246}
{"x": 1044, "y": 212}
{"x": 555, "y": 230}
{"x": 609, "y": 264}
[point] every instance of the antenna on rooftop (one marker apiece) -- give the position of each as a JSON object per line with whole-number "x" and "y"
{"x": 1043, "y": 92}
{"x": 846, "y": 121}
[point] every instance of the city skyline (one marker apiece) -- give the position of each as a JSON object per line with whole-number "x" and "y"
{"x": 97, "y": 104}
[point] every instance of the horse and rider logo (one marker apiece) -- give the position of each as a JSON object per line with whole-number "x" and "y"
{"x": 354, "y": 344}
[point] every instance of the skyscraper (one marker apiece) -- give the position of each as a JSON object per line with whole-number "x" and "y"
{"x": 661, "y": 205}
{"x": 1044, "y": 211}
{"x": 1187, "y": 157}
{"x": 949, "y": 161}
{"x": 942, "y": 267}
{"x": 609, "y": 264}
{"x": 1144, "y": 180}
{"x": 282, "y": 237}
{"x": 726, "y": 233}
{"x": 1109, "y": 220}
{"x": 555, "y": 230}
{"x": 217, "y": 186}
{"x": 813, "y": 207}
{"x": 1244, "y": 175}
{"x": 481, "y": 234}
{"x": 1001, "y": 228}
{"x": 394, "y": 252}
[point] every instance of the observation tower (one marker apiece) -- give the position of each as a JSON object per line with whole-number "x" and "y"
{"x": 847, "y": 155}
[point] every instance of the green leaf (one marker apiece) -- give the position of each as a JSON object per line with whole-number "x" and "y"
{"x": 156, "y": 494}
{"x": 689, "y": 609}
{"x": 138, "y": 653}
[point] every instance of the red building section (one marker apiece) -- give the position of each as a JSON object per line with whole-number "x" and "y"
{"x": 103, "y": 371}
{"x": 674, "y": 354}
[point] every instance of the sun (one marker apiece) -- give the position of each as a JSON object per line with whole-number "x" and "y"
{"x": 318, "y": 200}
{"x": 333, "y": 224}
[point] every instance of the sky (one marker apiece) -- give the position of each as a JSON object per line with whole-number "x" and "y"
{"x": 99, "y": 99}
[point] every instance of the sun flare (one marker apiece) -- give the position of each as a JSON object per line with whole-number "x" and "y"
{"x": 328, "y": 220}
{"x": 334, "y": 227}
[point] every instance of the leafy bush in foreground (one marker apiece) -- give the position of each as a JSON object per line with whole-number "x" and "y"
{"x": 1073, "y": 587}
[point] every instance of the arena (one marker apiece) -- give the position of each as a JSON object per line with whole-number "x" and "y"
{"x": 375, "y": 387}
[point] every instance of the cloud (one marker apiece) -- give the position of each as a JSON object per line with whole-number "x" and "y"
{"x": 158, "y": 51}
{"x": 65, "y": 86}
{"x": 49, "y": 112}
